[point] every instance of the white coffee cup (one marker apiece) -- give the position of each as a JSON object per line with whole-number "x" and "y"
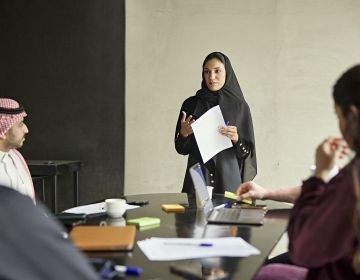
{"x": 115, "y": 207}
{"x": 210, "y": 191}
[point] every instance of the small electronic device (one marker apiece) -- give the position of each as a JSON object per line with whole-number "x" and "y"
{"x": 138, "y": 202}
{"x": 70, "y": 219}
{"x": 197, "y": 271}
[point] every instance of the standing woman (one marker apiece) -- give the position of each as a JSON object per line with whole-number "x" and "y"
{"x": 219, "y": 86}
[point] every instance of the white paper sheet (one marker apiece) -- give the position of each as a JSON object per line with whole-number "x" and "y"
{"x": 206, "y": 131}
{"x": 166, "y": 249}
{"x": 93, "y": 208}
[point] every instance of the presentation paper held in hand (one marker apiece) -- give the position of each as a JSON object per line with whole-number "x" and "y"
{"x": 170, "y": 249}
{"x": 206, "y": 131}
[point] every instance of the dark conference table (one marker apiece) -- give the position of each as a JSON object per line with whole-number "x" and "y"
{"x": 192, "y": 223}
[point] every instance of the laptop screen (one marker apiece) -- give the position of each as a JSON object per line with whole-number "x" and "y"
{"x": 202, "y": 196}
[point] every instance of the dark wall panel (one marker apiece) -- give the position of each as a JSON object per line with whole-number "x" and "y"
{"x": 65, "y": 61}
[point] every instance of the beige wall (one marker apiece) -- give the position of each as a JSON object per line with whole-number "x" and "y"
{"x": 286, "y": 54}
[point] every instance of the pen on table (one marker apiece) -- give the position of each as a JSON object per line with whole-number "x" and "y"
{"x": 224, "y": 205}
{"x": 201, "y": 244}
{"x": 128, "y": 270}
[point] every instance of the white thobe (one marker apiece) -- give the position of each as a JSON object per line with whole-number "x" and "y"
{"x": 15, "y": 174}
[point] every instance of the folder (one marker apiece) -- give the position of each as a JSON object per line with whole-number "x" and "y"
{"x": 103, "y": 238}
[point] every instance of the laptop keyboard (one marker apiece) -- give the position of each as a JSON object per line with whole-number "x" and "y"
{"x": 237, "y": 216}
{"x": 228, "y": 214}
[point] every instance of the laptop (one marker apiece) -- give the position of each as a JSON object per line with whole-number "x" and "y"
{"x": 238, "y": 215}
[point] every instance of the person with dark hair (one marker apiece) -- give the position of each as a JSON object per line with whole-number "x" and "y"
{"x": 14, "y": 172}
{"x": 226, "y": 170}
{"x": 324, "y": 225}
{"x": 34, "y": 246}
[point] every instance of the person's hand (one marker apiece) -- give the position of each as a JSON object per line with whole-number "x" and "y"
{"x": 230, "y": 132}
{"x": 251, "y": 190}
{"x": 328, "y": 155}
{"x": 185, "y": 123}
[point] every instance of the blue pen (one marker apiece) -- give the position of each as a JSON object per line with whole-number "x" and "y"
{"x": 202, "y": 244}
{"x": 224, "y": 205}
{"x": 128, "y": 270}
{"x": 227, "y": 122}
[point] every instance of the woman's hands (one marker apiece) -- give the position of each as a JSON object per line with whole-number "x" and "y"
{"x": 328, "y": 155}
{"x": 230, "y": 132}
{"x": 186, "y": 130}
{"x": 185, "y": 123}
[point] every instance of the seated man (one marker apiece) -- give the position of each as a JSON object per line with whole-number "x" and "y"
{"x": 33, "y": 245}
{"x": 14, "y": 172}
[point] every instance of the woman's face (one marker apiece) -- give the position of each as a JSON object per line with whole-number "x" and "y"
{"x": 214, "y": 74}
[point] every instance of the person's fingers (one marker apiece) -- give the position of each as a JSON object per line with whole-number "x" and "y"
{"x": 239, "y": 190}
{"x": 244, "y": 195}
{"x": 188, "y": 119}
{"x": 183, "y": 116}
{"x": 243, "y": 188}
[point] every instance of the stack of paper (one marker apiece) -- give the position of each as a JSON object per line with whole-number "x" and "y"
{"x": 93, "y": 208}
{"x": 166, "y": 249}
{"x": 206, "y": 131}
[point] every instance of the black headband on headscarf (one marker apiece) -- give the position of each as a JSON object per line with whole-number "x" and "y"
{"x": 237, "y": 112}
{"x": 12, "y": 111}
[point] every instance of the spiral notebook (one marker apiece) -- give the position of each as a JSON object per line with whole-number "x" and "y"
{"x": 238, "y": 215}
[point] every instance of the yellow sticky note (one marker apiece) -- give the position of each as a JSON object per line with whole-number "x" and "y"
{"x": 177, "y": 208}
{"x": 231, "y": 195}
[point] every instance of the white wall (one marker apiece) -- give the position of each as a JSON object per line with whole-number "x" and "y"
{"x": 287, "y": 55}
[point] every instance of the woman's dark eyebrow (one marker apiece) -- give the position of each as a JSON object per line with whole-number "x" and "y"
{"x": 212, "y": 68}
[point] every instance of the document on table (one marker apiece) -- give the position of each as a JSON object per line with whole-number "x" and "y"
{"x": 206, "y": 132}
{"x": 168, "y": 249}
{"x": 93, "y": 208}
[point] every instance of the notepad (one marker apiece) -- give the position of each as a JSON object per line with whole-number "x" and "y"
{"x": 106, "y": 238}
{"x": 176, "y": 208}
{"x": 144, "y": 222}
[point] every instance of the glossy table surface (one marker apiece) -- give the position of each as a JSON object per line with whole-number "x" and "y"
{"x": 192, "y": 223}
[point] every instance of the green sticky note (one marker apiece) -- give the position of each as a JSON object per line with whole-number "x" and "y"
{"x": 144, "y": 222}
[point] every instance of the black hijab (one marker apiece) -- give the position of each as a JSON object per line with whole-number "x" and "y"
{"x": 237, "y": 112}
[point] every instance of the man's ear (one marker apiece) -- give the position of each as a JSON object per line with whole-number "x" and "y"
{"x": 354, "y": 112}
